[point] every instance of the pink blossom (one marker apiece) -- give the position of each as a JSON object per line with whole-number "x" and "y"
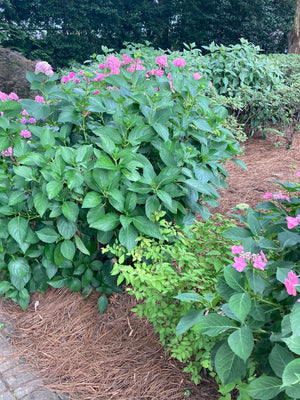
{"x": 96, "y": 92}
{"x": 135, "y": 67}
{"x": 197, "y": 76}
{"x": 290, "y": 287}
{"x": 112, "y": 63}
{"x": 259, "y": 263}
{"x": 24, "y": 112}
{"x": 263, "y": 256}
{"x": 115, "y": 71}
{"x": 102, "y": 66}
{"x": 8, "y": 152}
{"x": 292, "y": 222}
{"x": 280, "y": 196}
{"x": 237, "y": 249}
{"x": 32, "y": 120}
{"x": 13, "y": 96}
{"x": 179, "y": 62}
{"x": 159, "y": 72}
{"x": 25, "y": 133}
{"x": 65, "y": 79}
{"x": 268, "y": 195}
{"x": 298, "y": 173}
{"x": 239, "y": 263}
{"x": 161, "y": 61}
{"x": 72, "y": 75}
{"x": 3, "y": 96}
{"x": 210, "y": 84}
{"x": 39, "y": 99}
{"x": 43, "y": 67}
{"x": 77, "y": 80}
{"x": 293, "y": 278}
{"x": 126, "y": 59}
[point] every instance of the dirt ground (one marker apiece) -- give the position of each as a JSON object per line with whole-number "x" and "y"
{"x": 116, "y": 355}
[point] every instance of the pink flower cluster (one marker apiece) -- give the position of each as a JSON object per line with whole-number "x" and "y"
{"x": 11, "y": 96}
{"x": 276, "y": 196}
{"x": 259, "y": 260}
{"x": 43, "y": 67}
{"x": 291, "y": 283}
{"x": 70, "y": 77}
{"x": 8, "y": 152}
{"x": 25, "y": 133}
{"x": 292, "y": 222}
{"x": 179, "y": 62}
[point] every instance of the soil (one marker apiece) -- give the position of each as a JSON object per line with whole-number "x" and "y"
{"x": 116, "y": 355}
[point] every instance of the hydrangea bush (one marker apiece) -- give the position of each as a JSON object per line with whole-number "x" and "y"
{"x": 257, "y": 325}
{"x": 93, "y": 157}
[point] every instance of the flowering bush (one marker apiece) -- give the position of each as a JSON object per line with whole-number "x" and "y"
{"x": 258, "y": 320}
{"x": 92, "y": 158}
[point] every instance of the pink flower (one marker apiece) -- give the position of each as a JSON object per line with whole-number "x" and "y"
{"x": 298, "y": 173}
{"x": 280, "y": 196}
{"x": 210, "y": 84}
{"x": 179, "y": 62}
{"x": 43, "y": 67}
{"x": 32, "y": 120}
{"x": 8, "y": 152}
{"x": 290, "y": 287}
{"x": 263, "y": 256}
{"x": 293, "y": 278}
{"x": 24, "y": 112}
{"x": 239, "y": 263}
{"x": 292, "y": 222}
{"x": 65, "y": 79}
{"x": 96, "y": 92}
{"x": 102, "y": 66}
{"x": 25, "y": 133}
{"x": 3, "y": 96}
{"x": 268, "y": 195}
{"x": 39, "y": 99}
{"x": 161, "y": 61}
{"x": 112, "y": 63}
{"x": 13, "y": 96}
{"x": 126, "y": 59}
{"x": 197, "y": 76}
{"x": 115, "y": 71}
{"x": 259, "y": 263}
{"x": 159, "y": 72}
{"x": 237, "y": 249}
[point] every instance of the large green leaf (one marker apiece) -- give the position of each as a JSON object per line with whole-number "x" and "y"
{"x": 70, "y": 210}
{"x": 92, "y": 199}
{"x": 18, "y": 228}
{"x": 279, "y": 358}
{"x": 106, "y": 222}
{"x": 264, "y": 388}
{"x": 20, "y": 272}
{"x": 236, "y": 233}
{"x": 214, "y": 324}
{"x": 256, "y": 282}
{"x": 40, "y": 202}
{"x": 241, "y": 342}
{"x": 228, "y": 365}
{"x": 240, "y": 305}
{"x": 80, "y": 245}
{"x": 66, "y": 228}
{"x": 47, "y": 235}
{"x": 190, "y": 319}
{"x": 295, "y": 318}
{"x": 68, "y": 249}
{"x": 293, "y": 343}
{"x": 53, "y": 188}
{"x": 234, "y": 279}
{"x": 147, "y": 227}
{"x": 128, "y": 236}
{"x": 102, "y": 303}
{"x": 291, "y": 379}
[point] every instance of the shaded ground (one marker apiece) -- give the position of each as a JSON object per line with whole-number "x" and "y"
{"x": 116, "y": 355}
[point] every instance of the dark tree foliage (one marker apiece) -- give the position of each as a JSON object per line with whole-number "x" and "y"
{"x": 60, "y": 32}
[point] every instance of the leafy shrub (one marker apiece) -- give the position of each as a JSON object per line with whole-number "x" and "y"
{"x": 90, "y": 161}
{"x": 258, "y": 326}
{"x": 191, "y": 261}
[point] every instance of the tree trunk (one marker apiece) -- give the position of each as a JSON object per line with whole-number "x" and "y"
{"x": 294, "y": 35}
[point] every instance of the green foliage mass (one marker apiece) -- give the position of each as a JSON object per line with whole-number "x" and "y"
{"x": 106, "y": 152}
{"x": 191, "y": 261}
{"x": 257, "y": 329}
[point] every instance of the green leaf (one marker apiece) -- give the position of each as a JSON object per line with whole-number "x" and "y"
{"x": 106, "y": 222}
{"x": 279, "y": 358}
{"x": 53, "y": 188}
{"x": 105, "y": 163}
{"x": 20, "y": 272}
{"x": 214, "y": 324}
{"x": 25, "y": 172}
{"x": 102, "y": 303}
{"x": 41, "y": 203}
{"x": 92, "y": 199}
{"x": 74, "y": 178}
{"x": 66, "y": 228}
{"x": 254, "y": 224}
{"x": 240, "y": 163}
{"x": 152, "y": 205}
{"x": 256, "y": 282}
{"x": 234, "y": 279}
{"x": 189, "y": 297}
{"x": 80, "y": 245}
{"x": 264, "y": 388}
{"x": 147, "y": 227}
{"x": 70, "y": 210}
{"x": 165, "y": 197}
{"x": 240, "y": 305}
{"x": 141, "y": 134}
{"x": 15, "y": 197}
{"x": 291, "y": 379}
{"x": 241, "y": 342}
{"x": 228, "y": 365}
{"x": 293, "y": 343}
{"x": 295, "y": 318}
{"x": 74, "y": 284}
{"x": 47, "y": 235}
{"x": 237, "y": 233}
{"x": 128, "y": 236}
{"x": 58, "y": 282}
{"x": 18, "y": 228}
{"x": 47, "y": 138}
{"x": 190, "y": 319}
{"x": 68, "y": 249}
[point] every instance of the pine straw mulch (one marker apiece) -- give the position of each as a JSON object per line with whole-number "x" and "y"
{"x": 90, "y": 356}
{"x": 116, "y": 355}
